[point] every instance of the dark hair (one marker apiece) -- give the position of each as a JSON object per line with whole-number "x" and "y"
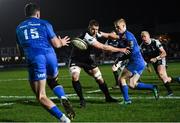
{"x": 93, "y": 23}
{"x": 30, "y": 9}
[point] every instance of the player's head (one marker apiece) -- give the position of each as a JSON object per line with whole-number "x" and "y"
{"x": 93, "y": 27}
{"x": 145, "y": 36}
{"x": 120, "y": 25}
{"x": 32, "y": 9}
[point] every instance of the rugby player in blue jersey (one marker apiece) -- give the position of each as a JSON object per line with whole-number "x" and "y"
{"x": 36, "y": 39}
{"x": 120, "y": 59}
{"x": 135, "y": 66}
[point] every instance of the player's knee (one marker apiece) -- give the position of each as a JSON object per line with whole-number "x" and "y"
{"x": 98, "y": 75}
{"x": 75, "y": 76}
{"x": 132, "y": 85}
{"x": 52, "y": 82}
{"x": 42, "y": 97}
{"x": 169, "y": 79}
{"x": 133, "y": 82}
{"x": 75, "y": 71}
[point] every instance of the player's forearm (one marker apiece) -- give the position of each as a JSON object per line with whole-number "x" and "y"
{"x": 57, "y": 43}
{"x": 111, "y": 49}
{"x": 112, "y": 35}
{"x": 162, "y": 55}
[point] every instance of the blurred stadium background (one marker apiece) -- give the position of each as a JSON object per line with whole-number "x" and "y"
{"x": 71, "y": 18}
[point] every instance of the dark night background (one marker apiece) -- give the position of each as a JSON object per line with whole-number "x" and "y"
{"x": 75, "y": 14}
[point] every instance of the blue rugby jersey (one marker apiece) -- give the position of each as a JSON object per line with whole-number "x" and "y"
{"x": 136, "y": 55}
{"x": 34, "y": 33}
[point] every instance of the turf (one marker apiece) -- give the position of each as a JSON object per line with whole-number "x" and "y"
{"x": 18, "y": 104}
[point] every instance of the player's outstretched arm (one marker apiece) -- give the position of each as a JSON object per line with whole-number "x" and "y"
{"x": 109, "y": 48}
{"x": 111, "y": 35}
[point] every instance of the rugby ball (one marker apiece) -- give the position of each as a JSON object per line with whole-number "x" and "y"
{"x": 80, "y": 44}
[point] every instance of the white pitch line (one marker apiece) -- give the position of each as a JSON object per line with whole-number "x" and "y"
{"x": 139, "y": 97}
{"x": 89, "y": 97}
{"x": 94, "y": 91}
{"x": 6, "y": 104}
{"x": 90, "y": 92}
{"x": 61, "y": 77}
{"x": 9, "y": 80}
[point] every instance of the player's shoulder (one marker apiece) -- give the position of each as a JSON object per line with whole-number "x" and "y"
{"x": 82, "y": 34}
{"x": 44, "y": 22}
{"x": 86, "y": 35}
{"x": 21, "y": 24}
{"x": 153, "y": 40}
{"x": 129, "y": 35}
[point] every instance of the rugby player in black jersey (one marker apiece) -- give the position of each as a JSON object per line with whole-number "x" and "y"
{"x": 153, "y": 52}
{"x": 82, "y": 59}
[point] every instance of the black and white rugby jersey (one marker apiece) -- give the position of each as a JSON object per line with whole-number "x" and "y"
{"x": 151, "y": 50}
{"x": 83, "y": 54}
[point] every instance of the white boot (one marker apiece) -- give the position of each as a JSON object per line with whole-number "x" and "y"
{"x": 65, "y": 119}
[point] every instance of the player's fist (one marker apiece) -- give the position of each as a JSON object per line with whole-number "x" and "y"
{"x": 153, "y": 60}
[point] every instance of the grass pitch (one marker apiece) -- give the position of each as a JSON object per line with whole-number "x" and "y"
{"x": 18, "y": 103}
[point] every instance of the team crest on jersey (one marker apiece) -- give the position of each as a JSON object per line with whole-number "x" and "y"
{"x": 41, "y": 75}
{"x": 90, "y": 40}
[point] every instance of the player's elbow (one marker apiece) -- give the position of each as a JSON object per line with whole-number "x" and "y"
{"x": 165, "y": 54}
{"x": 56, "y": 42}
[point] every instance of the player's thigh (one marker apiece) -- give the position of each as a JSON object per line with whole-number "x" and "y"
{"x": 75, "y": 72}
{"x": 37, "y": 68}
{"x": 96, "y": 73}
{"x": 93, "y": 71}
{"x": 136, "y": 67}
{"x": 90, "y": 67}
{"x": 126, "y": 74}
{"x": 161, "y": 69}
{"x": 38, "y": 87}
{"x": 158, "y": 66}
{"x": 133, "y": 80}
{"x": 52, "y": 65}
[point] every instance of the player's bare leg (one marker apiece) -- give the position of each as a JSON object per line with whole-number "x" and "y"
{"x": 38, "y": 88}
{"x": 75, "y": 73}
{"x": 161, "y": 69}
{"x": 59, "y": 92}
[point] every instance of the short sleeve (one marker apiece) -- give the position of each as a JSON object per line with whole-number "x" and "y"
{"x": 158, "y": 44}
{"x": 89, "y": 39}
